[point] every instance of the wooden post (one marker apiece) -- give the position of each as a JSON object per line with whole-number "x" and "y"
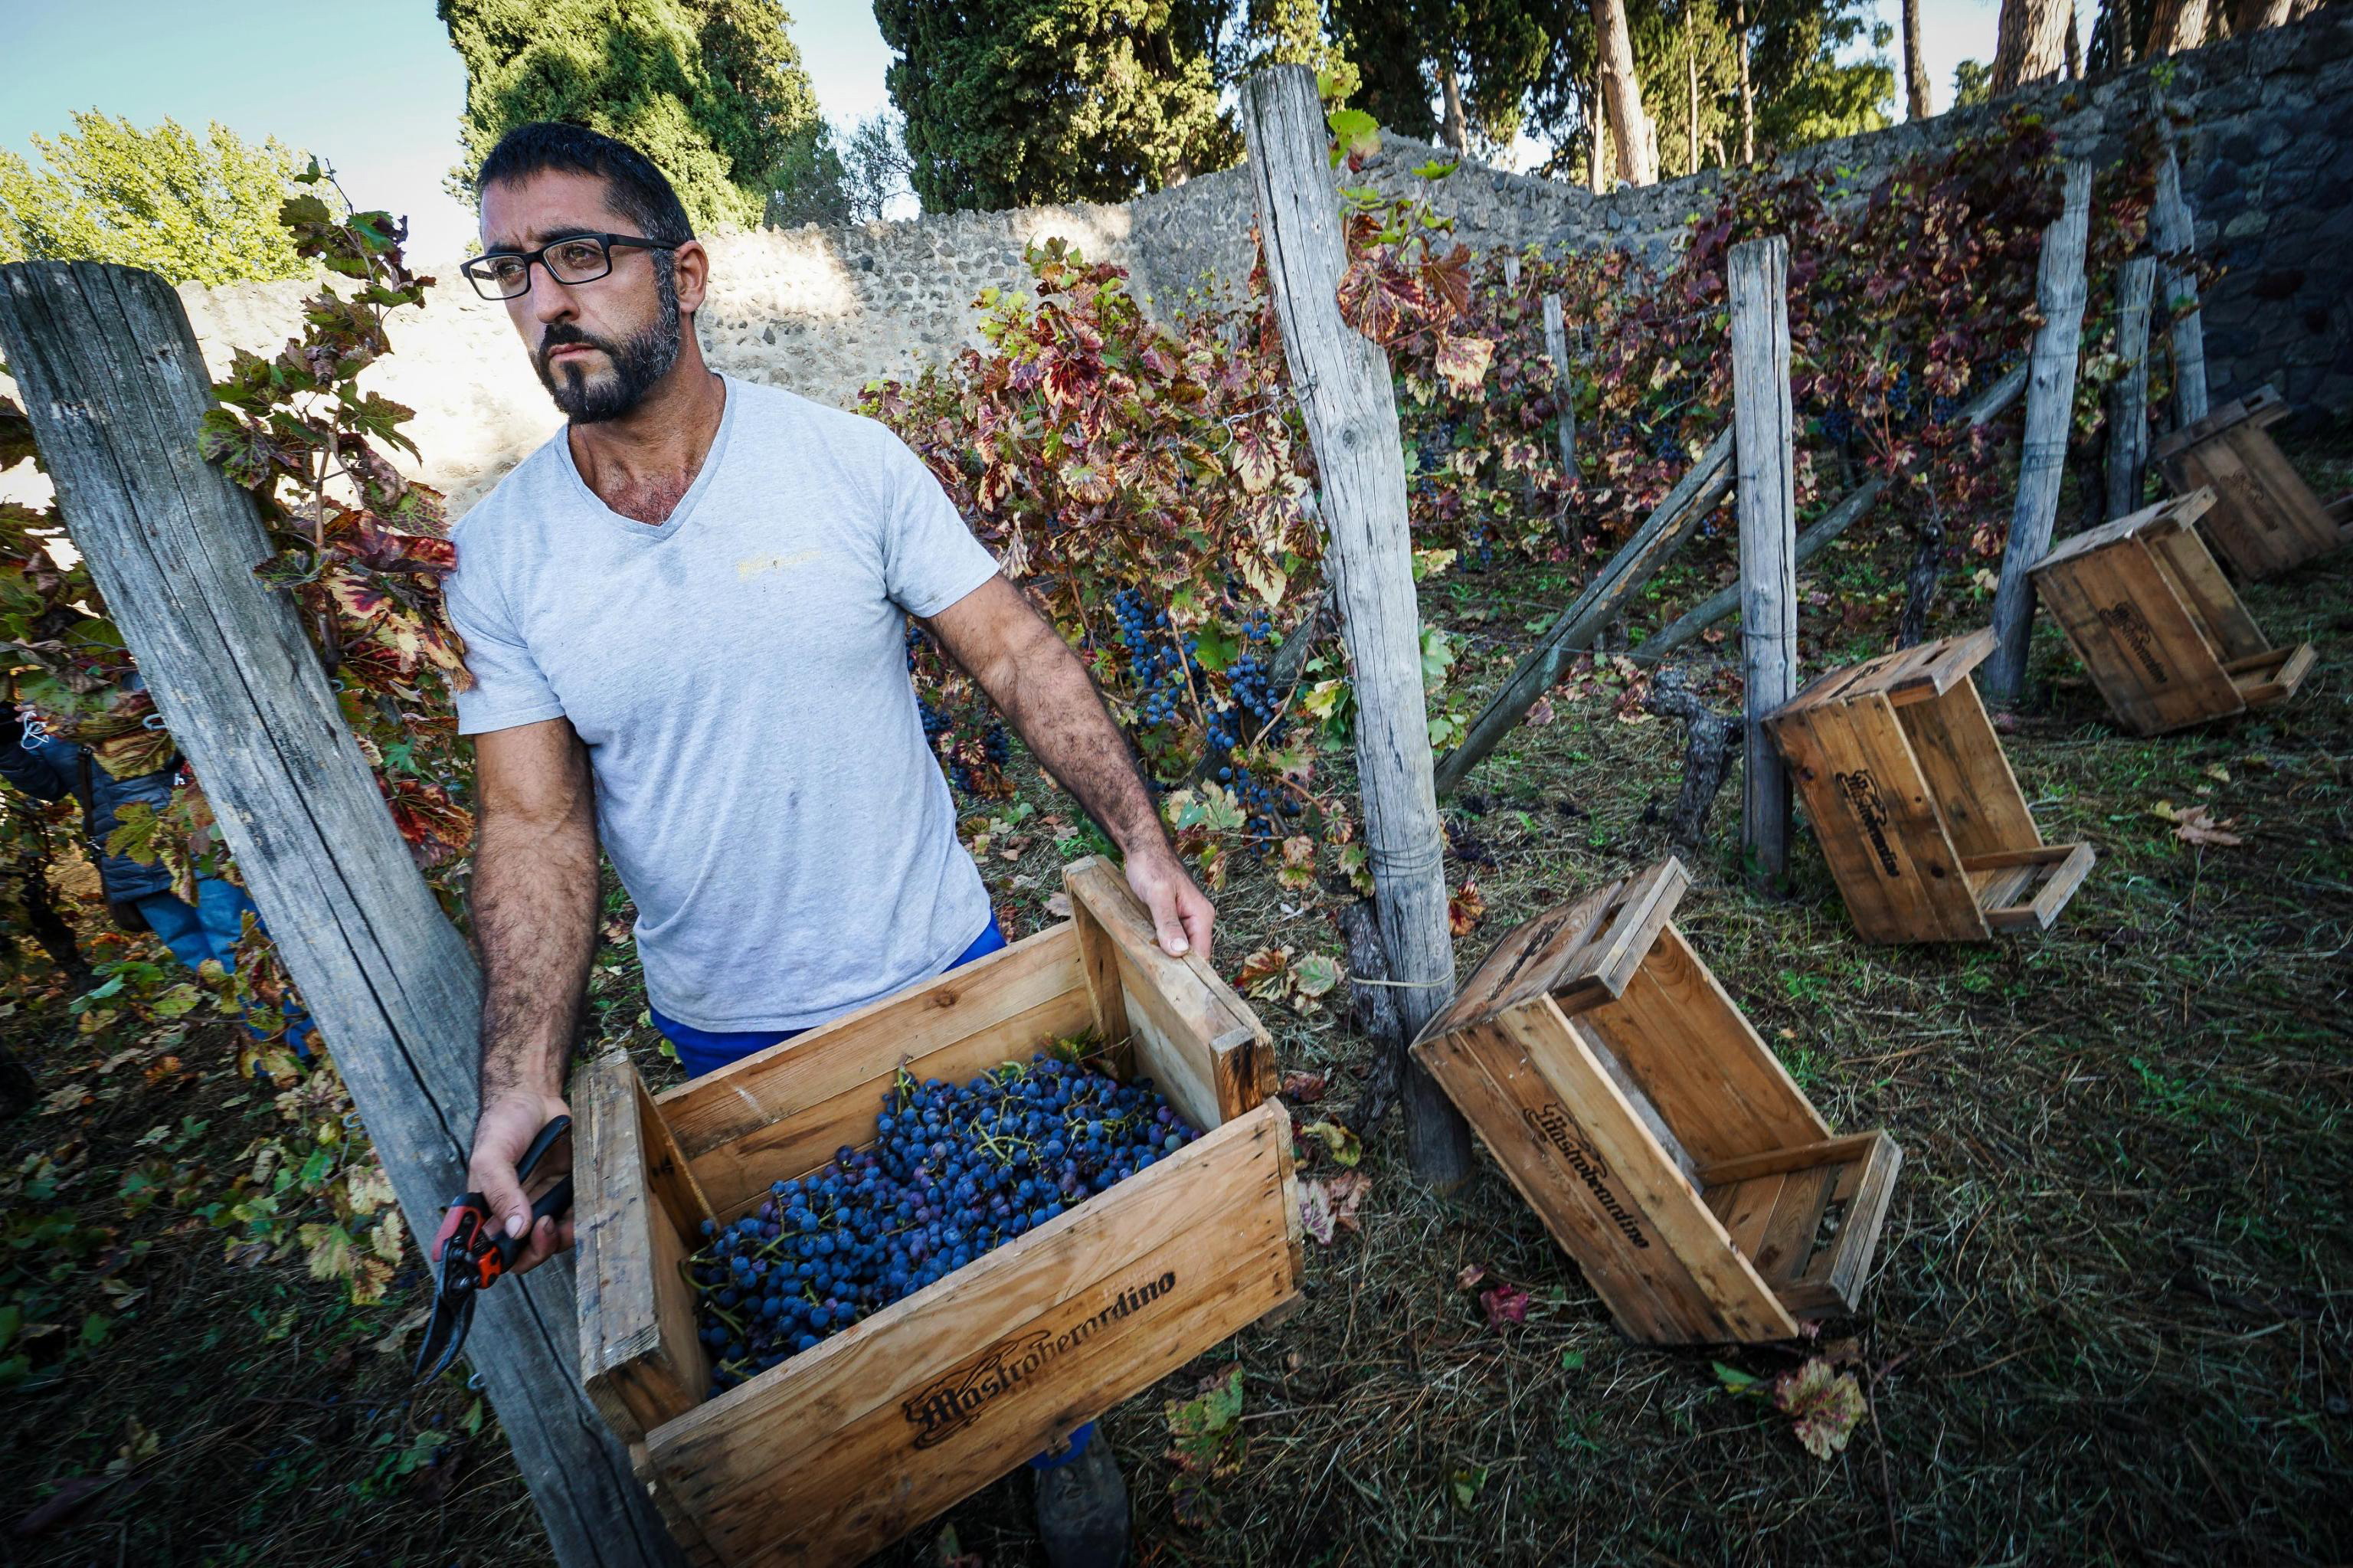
{"x": 2177, "y": 242}
{"x": 2128, "y": 398}
{"x": 1343, "y": 383}
{"x": 116, "y": 388}
{"x": 1564, "y": 387}
{"x": 1767, "y": 500}
{"x": 2059, "y": 291}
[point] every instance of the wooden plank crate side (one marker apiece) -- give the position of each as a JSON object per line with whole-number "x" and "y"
{"x": 2266, "y": 519}
{"x": 2273, "y": 676}
{"x": 1968, "y": 774}
{"x": 2181, "y": 553}
{"x": 2265, "y": 406}
{"x": 640, "y": 1356}
{"x": 1199, "y": 1042}
{"x": 1885, "y": 839}
{"x": 2038, "y": 887}
{"x": 684, "y": 1528}
{"x": 1580, "y": 954}
{"x": 2145, "y": 648}
{"x": 1581, "y": 1155}
{"x": 1775, "y": 1208}
{"x": 783, "y": 1111}
{"x": 847, "y": 1446}
{"x": 2179, "y": 510}
{"x": 1697, "y": 1061}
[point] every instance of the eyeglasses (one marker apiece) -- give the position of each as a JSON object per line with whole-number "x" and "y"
{"x": 574, "y": 258}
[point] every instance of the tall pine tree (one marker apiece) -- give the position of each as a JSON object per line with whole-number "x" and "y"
{"x": 711, "y": 90}
{"x": 1013, "y": 102}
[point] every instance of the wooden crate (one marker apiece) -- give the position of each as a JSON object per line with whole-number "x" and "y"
{"x": 1915, "y": 805}
{"x": 2159, "y": 627}
{"x": 1659, "y": 1141}
{"x": 848, "y": 1446}
{"x": 2265, "y": 518}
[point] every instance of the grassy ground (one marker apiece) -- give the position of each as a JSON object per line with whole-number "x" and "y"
{"x": 2108, "y": 1319}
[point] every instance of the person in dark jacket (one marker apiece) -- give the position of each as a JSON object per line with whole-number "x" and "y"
{"x": 141, "y": 897}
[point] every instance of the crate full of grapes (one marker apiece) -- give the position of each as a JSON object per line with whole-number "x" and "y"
{"x": 836, "y": 1288}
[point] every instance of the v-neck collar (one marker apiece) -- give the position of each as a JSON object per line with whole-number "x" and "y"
{"x": 654, "y": 533}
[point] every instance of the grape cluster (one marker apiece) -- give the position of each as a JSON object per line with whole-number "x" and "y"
{"x": 955, "y": 1170}
{"x": 1161, "y": 665}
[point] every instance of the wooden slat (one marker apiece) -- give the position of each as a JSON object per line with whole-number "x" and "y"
{"x": 1525, "y": 1126}
{"x": 2274, "y": 676}
{"x": 1713, "y": 1079}
{"x": 1580, "y": 953}
{"x": 2058, "y": 871}
{"x": 1193, "y": 1036}
{"x": 639, "y": 1355}
{"x": 1746, "y": 1208}
{"x": 747, "y": 1095}
{"x": 844, "y": 1448}
{"x": 852, "y": 1073}
{"x": 1793, "y": 1157}
{"x": 2191, "y": 569}
{"x": 682, "y": 1524}
{"x": 2266, "y": 520}
{"x": 1834, "y": 1278}
{"x": 1729, "y": 1290}
{"x": 1967, "y": 773}
{"x": 1787, "y": 1243}
{"x": 1886, "y": 842}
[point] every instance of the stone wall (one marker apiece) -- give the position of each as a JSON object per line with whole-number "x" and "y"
{"x": 2267, "y": 164}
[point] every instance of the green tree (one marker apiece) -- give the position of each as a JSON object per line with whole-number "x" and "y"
{"x": 1451, "y": 70}
{"x": 808, "y": 185}
{"x": 1021, "y": 101}
{"x": 711, "y": 90}
{"x": 193, "y": 211}
{"x": 1972, "y": 83}
{"x": 875, "y": 166}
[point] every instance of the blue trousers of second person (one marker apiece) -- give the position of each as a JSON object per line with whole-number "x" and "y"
{"x": 209, "y": 928}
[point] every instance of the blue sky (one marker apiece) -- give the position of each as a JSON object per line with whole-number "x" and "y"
{"x": 385, "y": 111}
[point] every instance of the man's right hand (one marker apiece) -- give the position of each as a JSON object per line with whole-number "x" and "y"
{"x": 504, "y": 1130}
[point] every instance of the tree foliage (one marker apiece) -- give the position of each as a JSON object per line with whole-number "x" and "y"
{"x": 711, "y": 90}
{"x": 192, "y": 211}
{"x": 1024, "y": 101}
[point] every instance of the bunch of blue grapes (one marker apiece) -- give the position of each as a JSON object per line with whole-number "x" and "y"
{"x": 1162, "y": 665}
{"x": 955, "y": 1170}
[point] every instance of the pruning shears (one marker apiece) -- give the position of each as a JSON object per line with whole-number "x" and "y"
{"x": 477, "y": 1254}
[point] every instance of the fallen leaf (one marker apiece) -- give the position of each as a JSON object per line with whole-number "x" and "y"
{"x": 1345, "y": 1146}
{"x": 1504, "y": 1304}
{"x": 1304, "y": 1087}
{"x": 1465, "y": 908}
{"x": 1263, "y": 973}
{"x": 1469, "y": 1276}
{"x": 1824, "y": 1403}
{"x": 947, "y": 1551}
{"x": 1541, "y": 714}
{"x": 1314, "y": 975}
{"x": 1466, "y": 1484}
{"x": 1059, "y": 906}
{"x": 1315, "y": 1210}
{"x": 2196, "y": 825}
{"x": 1346, "y": 1190}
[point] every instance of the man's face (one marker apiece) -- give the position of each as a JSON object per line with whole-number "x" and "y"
{"x": 599, "y": 346}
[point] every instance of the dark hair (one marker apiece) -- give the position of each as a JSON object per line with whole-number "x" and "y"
{"x": 634, "y": 187}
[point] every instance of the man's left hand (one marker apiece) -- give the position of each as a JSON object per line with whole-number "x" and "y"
{"x": 1181, "y": 913}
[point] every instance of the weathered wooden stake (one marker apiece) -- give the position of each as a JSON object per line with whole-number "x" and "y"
{"x": 1766, "y": 497}
{"x": 2059, "y": 291}
{"x": 1343, "y": 382}
{"x": 116, "y": 388}
{"x": 2177, "y": 243}
{"x": 2128, "y": 397}
{"x": 1564, "y": 387}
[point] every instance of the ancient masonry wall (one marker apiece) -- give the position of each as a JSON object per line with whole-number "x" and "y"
{"x": 2267, "y": 161}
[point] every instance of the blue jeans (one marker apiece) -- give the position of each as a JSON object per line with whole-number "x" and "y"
{"x": 209, "y": 928}
{"x": 701, "y": 1050}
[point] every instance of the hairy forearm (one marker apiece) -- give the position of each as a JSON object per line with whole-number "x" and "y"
{"x": 535, "y": 908}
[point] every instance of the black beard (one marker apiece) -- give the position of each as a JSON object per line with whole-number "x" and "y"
{"x": 639, "y": 362}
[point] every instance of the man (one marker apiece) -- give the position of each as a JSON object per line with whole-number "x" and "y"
{"x": 685, "y": 617}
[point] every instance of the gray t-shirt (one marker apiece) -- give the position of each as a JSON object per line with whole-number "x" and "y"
{"x": 739, "y": 674}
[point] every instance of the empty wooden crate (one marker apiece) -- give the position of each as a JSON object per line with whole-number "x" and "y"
{"x": 1915, "y": 805}
{"x": 1657, "y": 1138}
{"x": 843, "y": 1448}
{"x": 2265, "y": 518}
{"x": 2158, "y": 626}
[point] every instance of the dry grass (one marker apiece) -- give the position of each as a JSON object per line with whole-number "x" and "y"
{"x": 2110, "y": 1309}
